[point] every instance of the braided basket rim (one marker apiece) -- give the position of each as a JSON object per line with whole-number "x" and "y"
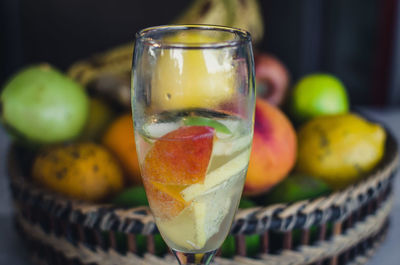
{"x": 372, "y": 226}
{"x": 280, "y": 217}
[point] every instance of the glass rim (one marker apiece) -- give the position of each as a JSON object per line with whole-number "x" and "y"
{"x": 244, "y": 36}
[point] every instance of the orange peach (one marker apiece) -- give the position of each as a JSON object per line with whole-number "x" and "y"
{"x": 274, "y": 149}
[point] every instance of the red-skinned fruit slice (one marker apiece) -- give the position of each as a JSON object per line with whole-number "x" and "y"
{"x": 176, "y": 160}
{"x": 180, "y": 157}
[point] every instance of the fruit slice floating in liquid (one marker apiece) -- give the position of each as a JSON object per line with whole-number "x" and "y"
{"x": 180, "y": 157}
{"x": 165, "y": 202}
{"x": 218, "y": 176}
{"x": 198, "y": 222}
{"x": 177, "y": 159}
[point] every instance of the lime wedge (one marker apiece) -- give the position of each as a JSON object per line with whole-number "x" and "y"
{"x": 201, "y": 121}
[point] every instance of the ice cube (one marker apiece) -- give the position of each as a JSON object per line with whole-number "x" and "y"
{"x": 157, "y": 130}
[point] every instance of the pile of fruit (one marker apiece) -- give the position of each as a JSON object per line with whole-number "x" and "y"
{"x": 306, "y": 142}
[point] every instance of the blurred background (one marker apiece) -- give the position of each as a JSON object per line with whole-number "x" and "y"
{"x": 356, "y": 40}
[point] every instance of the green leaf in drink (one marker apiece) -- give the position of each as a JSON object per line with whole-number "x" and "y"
{"x": 201, "y": 121}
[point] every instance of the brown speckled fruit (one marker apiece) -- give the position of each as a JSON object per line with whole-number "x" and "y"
{"x": 339, "y": 149}
{"x": 83, "y": 171}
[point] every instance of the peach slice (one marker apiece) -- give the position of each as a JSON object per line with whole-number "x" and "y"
{"x": 180, "y": 157}
{"x": 176, "y": 160}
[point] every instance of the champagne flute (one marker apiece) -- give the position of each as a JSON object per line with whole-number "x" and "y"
{"x": 193, "y": 96}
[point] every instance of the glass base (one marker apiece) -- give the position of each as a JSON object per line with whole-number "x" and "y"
{"x": 194, "y": 258}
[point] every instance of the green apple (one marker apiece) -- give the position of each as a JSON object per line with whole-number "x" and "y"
{"x": 41, "y": 105}
{"x": 318, "y": 94}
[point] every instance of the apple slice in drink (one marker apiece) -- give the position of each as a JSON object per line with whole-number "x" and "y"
{"x": 218, "y": 176}
{"x": 198, "y": 222}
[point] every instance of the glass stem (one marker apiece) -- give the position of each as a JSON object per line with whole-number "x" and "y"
{"x": 194, "y": 258}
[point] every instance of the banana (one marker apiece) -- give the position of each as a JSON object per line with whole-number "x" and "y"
{"x": 248, "y": 16}
{"x": 213, "y": 12}
{"x": 109, "y": 73}
{"x": 244, "y": 14}
{"x": 114, "y": 61}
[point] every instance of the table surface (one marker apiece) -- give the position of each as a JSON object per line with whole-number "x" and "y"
{"x": 12, "y": 250}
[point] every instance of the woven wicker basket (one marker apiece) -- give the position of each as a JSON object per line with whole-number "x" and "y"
{"x": 342, "y": 228}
